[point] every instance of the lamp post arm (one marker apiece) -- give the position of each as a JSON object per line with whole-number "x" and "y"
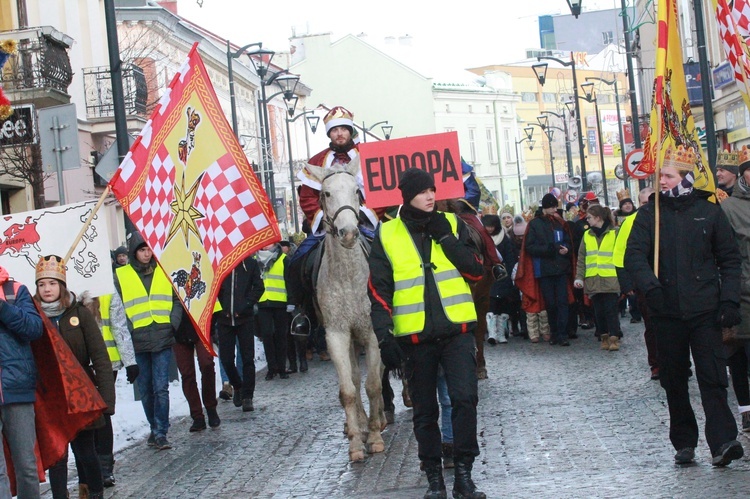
{"x": 242, "y": 50}
{"x": 560, "y": 61}
{"x": 311, "y": 111}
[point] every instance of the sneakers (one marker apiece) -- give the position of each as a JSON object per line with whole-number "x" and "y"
{"x": 684, "y": 456}
{"x": 746, "y": 421}
{"x": 729, "y": 452}
{"x": 151, "y": 442}
{"x": 213, "y": 418}
{"x": 226, "y": 391}
{"x": 162, "y": 443}
{"x": 199, "y": 424}
{"x": 247, "y": 405}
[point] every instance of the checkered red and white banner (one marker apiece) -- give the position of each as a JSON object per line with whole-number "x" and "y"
{"x": 188, "y": 187}
{"x": 733, "y": 19}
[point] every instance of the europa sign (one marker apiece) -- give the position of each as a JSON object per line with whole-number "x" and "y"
{"x": 383, "y": 163}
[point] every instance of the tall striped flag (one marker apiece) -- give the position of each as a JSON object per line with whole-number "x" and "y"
{"x": 733, "y": 19}
{"x": 672, "y": 121}
{"x": 188, "y": 187}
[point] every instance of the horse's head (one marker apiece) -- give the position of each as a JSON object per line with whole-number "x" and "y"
{"x": 339, "y": 199}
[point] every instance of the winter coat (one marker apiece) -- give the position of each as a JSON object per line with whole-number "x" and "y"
{"x": 155, "y": 337}
{"x": 20, "y": 324}
{"x": 118, "y": 324}
{"x": 507, "y": 249}
{"x": 737, "y": 210}
{"x": 239, "y": 292}
{"x": 596, "y": 284}
{"x": 381, "y": 287}
{"x": 80, "y": 331}
{"x": 541, "y": 246}
{"x": 699, "y": 261}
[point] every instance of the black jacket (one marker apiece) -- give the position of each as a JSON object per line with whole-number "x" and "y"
{"x": 699, "y": 261}
{"x": 380, "y": 285}
{"x": 505, "y": 287}
{"x": 239, "y": 293}
{"x": 540, "y": 244}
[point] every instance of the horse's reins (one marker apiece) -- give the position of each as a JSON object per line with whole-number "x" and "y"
{"x": 330, "y": 221}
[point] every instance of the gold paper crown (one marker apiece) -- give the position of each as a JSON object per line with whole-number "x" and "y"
{"x": 623, "y": 194}
{"x": 338, "y": 116}
{"x": 50, "y": 267}
{"x": 744, "y": 155}
{"x": 728, "y": 158}
{"x": 680, "y": 158}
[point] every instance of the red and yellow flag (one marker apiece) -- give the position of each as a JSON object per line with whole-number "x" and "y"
{"x": 188, "y": 187}
{"x": 671, "y": 120}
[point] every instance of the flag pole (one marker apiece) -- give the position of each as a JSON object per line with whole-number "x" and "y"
{"x": 657, "y": 174}
{"x": 86, "y": 225}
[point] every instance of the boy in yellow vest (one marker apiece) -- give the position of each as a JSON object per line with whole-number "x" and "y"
{"x": 424, "y": 317}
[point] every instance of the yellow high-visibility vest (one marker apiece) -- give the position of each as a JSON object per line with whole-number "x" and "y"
{"x": 622, "y": 240}
{"x": 274, "y": 282}
{"x": 600, "y": 259}
{"x": 409, "y": 280}
{"x": 144, "y": 308}
{"x": 109, "y": 339}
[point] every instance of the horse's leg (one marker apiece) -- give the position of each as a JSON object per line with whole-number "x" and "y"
{"x": 339, "y": 345}
{"x": 357, "y": 381}
{"x": 374, "y": 389}
{"x": 481, "y": 295}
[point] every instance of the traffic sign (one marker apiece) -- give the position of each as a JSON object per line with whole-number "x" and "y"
{"x": 571, "y": 196}
{"x": 633, "y": 164}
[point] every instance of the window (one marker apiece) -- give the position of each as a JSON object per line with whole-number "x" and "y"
{"x": 491, "y": 145}
{"x": 508, "y": 144}
{"x": 447, "y": 108}
{"x": 528, "y": 96}
{"x": 487, "y": 110}
{"x": 549, "y": 97}
{"x": 607, "y": 37}
{"x": 472, "y": 145}
{"x": 449, "y": 129}
{"x": 470, "y": 110}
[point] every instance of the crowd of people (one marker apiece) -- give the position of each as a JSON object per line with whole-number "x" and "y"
{"x": 542, "y": 275}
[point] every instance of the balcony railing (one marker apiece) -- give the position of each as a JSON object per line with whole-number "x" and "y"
{"x": 98, "y": 89}
{"x": 41, "y": 62}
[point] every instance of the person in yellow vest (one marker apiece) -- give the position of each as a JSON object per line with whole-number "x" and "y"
{"x": 273, "y": 318}
{"x": 596, "y": 274}
{"x": 424, "y": 318}
{"x": 153, "y": 313}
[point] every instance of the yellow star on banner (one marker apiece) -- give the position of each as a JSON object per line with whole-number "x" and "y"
{"x": 185, "y": 213}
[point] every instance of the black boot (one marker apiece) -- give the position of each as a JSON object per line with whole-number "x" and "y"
{"x": 107, "y": 462}
{"x": 463, "y": 487}
{"x": 435, "y": 480}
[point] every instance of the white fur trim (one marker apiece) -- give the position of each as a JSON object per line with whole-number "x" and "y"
{"x": 315, "y": 225}
{"x": 744, "y": 408}
{"x": 307, "y": 180}
{"x": 339, "y": 122}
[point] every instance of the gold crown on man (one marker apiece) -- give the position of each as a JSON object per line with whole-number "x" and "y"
{"x": 623, "y": 194}
{"x": 727, "y": 158}
{"x": 744, "y": 155}
{"x": 50, "y": 267}
{"x": 680, "y": 158}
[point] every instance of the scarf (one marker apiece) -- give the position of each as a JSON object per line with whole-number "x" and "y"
{"x": 498, "y": 238}
{"x": 743, "y": 185}
{"x": 598, "y": 231}
{"x": 415, "y": 217}
{"x": 266, "y": 259}
{"x": 143, "y": 268}
{"x": 55, "y": 308}
{"x": 684, "y": 188}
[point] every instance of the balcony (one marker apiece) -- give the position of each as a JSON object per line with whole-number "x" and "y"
{"x": 40, "y": 72}
{"x": 98, "y": 90}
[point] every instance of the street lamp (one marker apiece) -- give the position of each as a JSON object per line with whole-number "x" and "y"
{"x": 613, "y": 83}
{"x": 312, "y": 121}
{"x": 575, "y": 7}
{"x": 387, "y": 129}
{"x": 588, "y": 90}
{"x": 568, "y": 152}
{"x": 540, "y": 70}
{"x": 529, "y": 133}
{"x": 230, "y": 72}
{"x": 549, "y": 132}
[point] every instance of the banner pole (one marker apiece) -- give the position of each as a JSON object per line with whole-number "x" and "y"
{"x": 657, "y": 174}
{"x": 86, "y": 225}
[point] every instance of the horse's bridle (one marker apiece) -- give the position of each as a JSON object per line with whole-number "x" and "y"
{"x": 330, "y": 221}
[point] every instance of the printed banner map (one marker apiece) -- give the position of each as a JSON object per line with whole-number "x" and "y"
{"x": 29, "y": 235}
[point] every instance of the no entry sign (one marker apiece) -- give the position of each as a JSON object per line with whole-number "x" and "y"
{"x": 633, "y": 164}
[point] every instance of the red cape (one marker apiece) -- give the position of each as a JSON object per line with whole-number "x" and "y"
{"x": 66, "y": 400}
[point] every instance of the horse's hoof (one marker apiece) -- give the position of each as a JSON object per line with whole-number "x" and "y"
{"x": 481, "y": 373}
{"x": 377, "y": 447}
{"x": 390, "y": 418}
{"x": 357, "y": 456}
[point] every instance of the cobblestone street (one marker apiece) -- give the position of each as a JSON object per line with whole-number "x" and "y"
{"x": 553, "y": 422}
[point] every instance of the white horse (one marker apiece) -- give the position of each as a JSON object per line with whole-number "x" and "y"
{"x": 344, "y": 307}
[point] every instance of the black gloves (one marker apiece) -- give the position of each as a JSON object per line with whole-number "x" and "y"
{"x": 132, "y": 373}
{"x": 438, "y": 226}
{"x": 655, "y": 300}
{"x": 729, "y": 314}
{"x": 390, "y": 353}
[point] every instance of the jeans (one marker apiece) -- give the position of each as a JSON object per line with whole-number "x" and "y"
{"x": 555, "y": 292}
{"x": 88, "y": 462}
{"x": 607, "y": 314}
{"x": 274, "y": 328}
{"x": 19, "y": 430}
{"x": 457, "y": 356}
{"x": 446, "y": 427}
{"x": 153, "y": 383}
{"x": 228, "y": 336}
{"x": 183, "y": 353}
{"x": 677, "y": 340}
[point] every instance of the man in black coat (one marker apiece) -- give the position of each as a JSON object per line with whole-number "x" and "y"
{"x": 697, "y": 291}
{"x": 239, "y": 293}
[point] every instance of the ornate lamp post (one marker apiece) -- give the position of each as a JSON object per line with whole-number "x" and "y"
{"x": 575, "y": 7}
{"x": 312, "y": 121}
{"x": 588, "y": 90}
{"x": 568, "y": 153}
{"x": 386, "y": 128}
{"x": 529, "y": 133}
{"x": 613, "y": 83}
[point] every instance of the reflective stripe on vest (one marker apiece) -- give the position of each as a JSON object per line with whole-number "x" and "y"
{"x": 600, "y": 259}
{"x": 409, "y": 280}
{"x": 622, "y": 240}
{"x": 109, "y": 339}
{"x": 273, "y": 280}
{"x": 141, "y": 308}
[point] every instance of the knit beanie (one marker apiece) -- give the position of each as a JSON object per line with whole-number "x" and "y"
{"x": 626, "y": 200}
{"x": 412, "y": 182}
{"x": 122, "y": 250}
{"x": 549, "y": 201}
